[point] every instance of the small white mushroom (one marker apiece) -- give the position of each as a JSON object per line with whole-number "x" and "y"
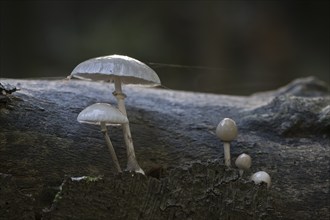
{"x": 120, "y": 70}
{"x": 243, "y": 163}
{"x": 104, "y": 114}
{"x": 227, "y": 131}
{"x": 260, "y": 177}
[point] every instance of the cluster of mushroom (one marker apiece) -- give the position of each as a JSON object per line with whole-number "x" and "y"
{"x": 227, "y": 132}
{"x": 123, "y": 69}
{"x": 117, "y": 69}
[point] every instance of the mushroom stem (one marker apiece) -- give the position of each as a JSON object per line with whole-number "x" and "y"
{"x": 226, "y": 147}
{"x": 120, "y": 96}
{"x": 132, "y": 164}
{"x": 110, "y": 146}
{"x": 241, "y": 172}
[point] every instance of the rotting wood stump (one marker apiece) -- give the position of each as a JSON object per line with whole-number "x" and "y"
{"x": 286, "y": 132}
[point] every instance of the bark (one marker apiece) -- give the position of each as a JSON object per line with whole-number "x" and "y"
{"x": 286, "y": 132}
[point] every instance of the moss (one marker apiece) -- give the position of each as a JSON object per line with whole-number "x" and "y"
{"x": 87, "y": 178}
{"x": 58, "y": 196}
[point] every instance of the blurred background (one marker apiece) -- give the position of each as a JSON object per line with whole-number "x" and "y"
{"x": 227, "y": 47}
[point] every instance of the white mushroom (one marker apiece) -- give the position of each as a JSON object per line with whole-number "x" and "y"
{"x": 119, "y": 69}
{"x": 243, "y": 163}
{"x": 260, "y": 177}
{"x": 227, "y": 131}
{"x": 104, "y": 114}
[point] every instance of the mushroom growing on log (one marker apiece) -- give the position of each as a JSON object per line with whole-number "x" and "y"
{"x": 119, "y": 69}
{"x": 243, "y": 163}
{"x": 227, "y": 131}
{"x": 104, "y": 114}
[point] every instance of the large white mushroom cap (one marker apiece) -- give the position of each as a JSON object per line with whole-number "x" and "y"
{"x": 102, "y": 112}
{"x": 130, "y": 70}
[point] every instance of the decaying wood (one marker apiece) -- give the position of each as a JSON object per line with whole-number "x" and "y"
{"x": 201, "y": 191}
{"x": 286, "y": 132}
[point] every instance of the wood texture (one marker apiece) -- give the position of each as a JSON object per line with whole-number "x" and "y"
{"x": 286, "y": 132}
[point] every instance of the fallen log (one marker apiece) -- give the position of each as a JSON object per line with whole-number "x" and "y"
{"x": 286, "y": 132}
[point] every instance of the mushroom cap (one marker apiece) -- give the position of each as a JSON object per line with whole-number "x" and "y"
{"x": 102, "y": 112}
{"x": 243, "y": 162}
{"x": 130, "y": 70}
{"x": 261, "y": 176}
{"x": 227, "y": 130}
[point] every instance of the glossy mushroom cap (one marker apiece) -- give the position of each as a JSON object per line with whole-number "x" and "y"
{"x": 261, "y": 176}
{"x": 130, "y": 70}
{"x": 243, "y": 162}
{"x": 227, "y": 130}
{"x": 102, "y": 112}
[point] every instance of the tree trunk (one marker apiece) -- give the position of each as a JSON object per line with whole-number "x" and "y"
{"x": 286, "y": 132}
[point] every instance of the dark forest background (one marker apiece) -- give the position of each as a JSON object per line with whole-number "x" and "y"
{"x": 230, "y": 47}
